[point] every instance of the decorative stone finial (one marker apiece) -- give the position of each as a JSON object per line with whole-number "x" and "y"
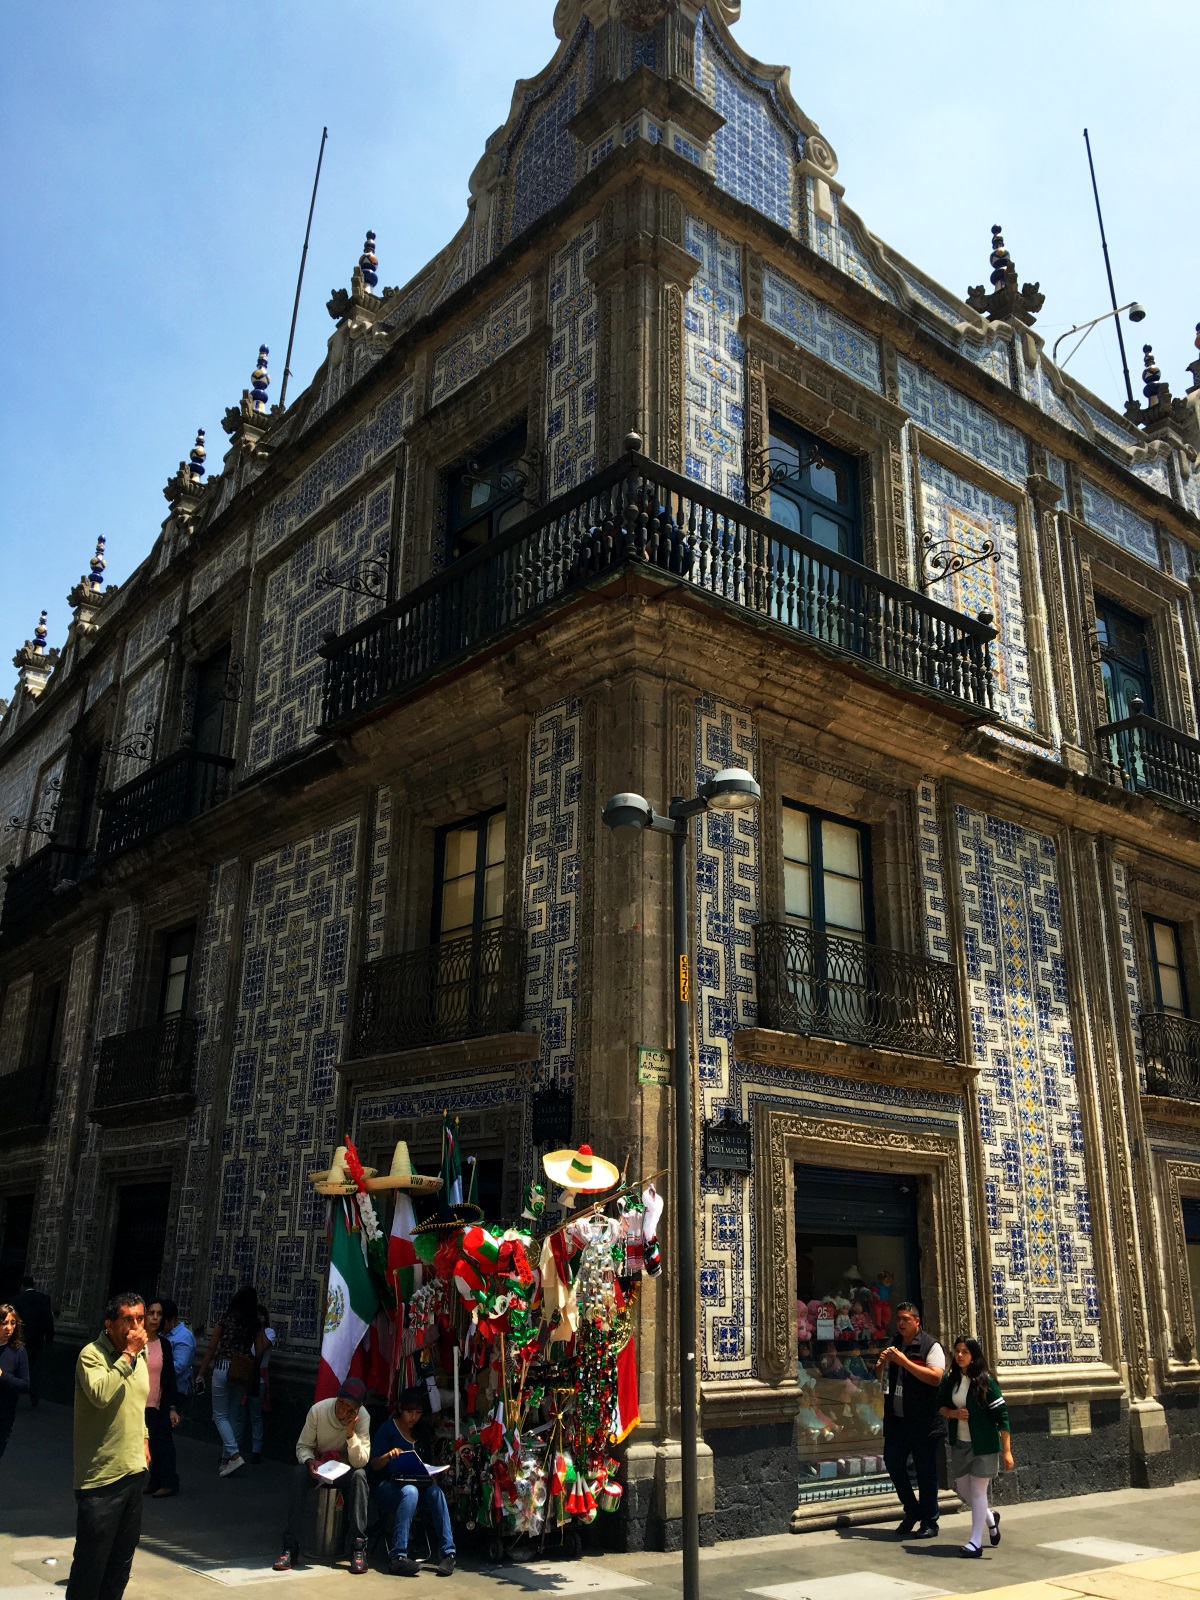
{"x": 368, "y": 261}
{"x": 97, "y": 565}
{"x": 1006, "y": 303}
{"x": 1152, "y": 385}
{"x": 197, "y": 455}
{"x": 34, "y": 661}
{"x": 260, "y": 380}
{"x": 40, "y": 634}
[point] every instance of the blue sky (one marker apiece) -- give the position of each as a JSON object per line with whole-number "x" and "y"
{"x": 159, "y": 160}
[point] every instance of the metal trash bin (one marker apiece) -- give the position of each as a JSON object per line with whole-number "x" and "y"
{"x": 329, "y": 1528}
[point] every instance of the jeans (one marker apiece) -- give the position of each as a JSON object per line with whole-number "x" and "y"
{"x": 255, "y": 1408}
{"x": 398, "y": 1502}
{"x": 162, "y": 1449}
{"x": 354, "y": 1489}
{"x": 108, "y": 1525}
{"x": 227, "y": 1409}
{"x": 900, "y": 1441}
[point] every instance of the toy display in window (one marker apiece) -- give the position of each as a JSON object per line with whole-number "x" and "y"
{"x": 839, "y": 1421}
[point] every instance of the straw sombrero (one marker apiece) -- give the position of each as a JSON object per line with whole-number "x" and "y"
{"x": 580, "y": 1171}
{"x": 446, "y": 1218}
{"x": 338, "y": 1180}
{"x": 402, "y": 1176}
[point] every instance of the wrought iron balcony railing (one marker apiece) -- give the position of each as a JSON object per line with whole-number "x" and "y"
{"x": 27, "y": 895}
{"x": 639, "y": 513}
{"x": 1151, "y": 757}
{"x": 1171, "y": 1049}
{"x": 461, "y": 989}
{"x": 183, "y": 785}
{"x": 26, "y": 1101}
{"x": 149, "y": 1066}
{"x": 816, "y": 983}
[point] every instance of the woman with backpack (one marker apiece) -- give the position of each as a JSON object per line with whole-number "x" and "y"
{"x": 237, "y": 1345}
{"x": 980, "y": 1442}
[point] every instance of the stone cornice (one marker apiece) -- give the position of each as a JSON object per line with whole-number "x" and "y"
{"x": 772, "y": 1048}
{"x": 394, "y": 1068}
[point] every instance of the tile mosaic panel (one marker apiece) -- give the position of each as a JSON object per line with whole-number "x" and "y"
{"x": 1031, "y": 1130}
{"x": 951, "y": 311}
{"x": 855, "y": 264}
{"x": 713, "y": 445}
{"x": 21, "y": 790}
{"x": 100, "y": 678}
{"x": 815, "y": 327}
{"x": 958, "y": 511}
{"x": 822, "y": 235}
{"x": 754, "y": 155}
{"x": 1154, "y": 472}
{"x": 1128, "y": 957}
{"x": 12, "y": 1024}
{"x": 280, "y": 1121}
{"x": 1119, "y": 522}
{"x": 296, "y": 611}
{"x": 933, "y": 873}
{"x": 1180, "y": 558}
{"x": 552, "y": 868}
{"x": 141, "y": 709}
{"x": 995, "y": 359}
{"x": 151, "y": 628}
{"x": 1056, "y": 470}
{"x": 724, "y": 998}
{"x": 962, "y": 423}
{"x": 503, "y": 325}
{"x": 541, "y": 160}
{"x": 353, "y": 455}
{"x": 1044, "y": 395}
{"x": 1119, "y": 438}
{"x": 571, "y": 362}
{"x": 406, "y": 308}
{"x": 217, "y": 570}
{"x": 377, "y": 888}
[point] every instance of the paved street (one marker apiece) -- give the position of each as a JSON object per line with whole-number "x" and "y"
{"x": 225, "y": 1532}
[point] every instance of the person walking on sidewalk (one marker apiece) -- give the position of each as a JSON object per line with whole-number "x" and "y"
{"x": 14, "y": 1369}
{"x": 162, "y": 1408}
{"x": 37, "y": 1317}
{"x": 236, "y": 1342}
{"x": 913, "y": 1366}
{"x": 334, "y": 1430}
{"x": 258, "y": 1395}
{"x": 183, "y": 1349}
{"x": 980, "y": 1441}
{"x": 112, "y": 1452}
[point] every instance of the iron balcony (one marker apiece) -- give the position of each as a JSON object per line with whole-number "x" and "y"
{"x": 820, "y": 985}
{"x": 181, "y": 786}
{"x": 147, "y": 1072}
{"x": 462, "y": 989}
{"x": 1171, "y": 1048}
{"x": 27, "y": 1102}
{"x": 27, "y": 896}
{"x": 1151, "y": 757}
{"x": 638, "y": 513}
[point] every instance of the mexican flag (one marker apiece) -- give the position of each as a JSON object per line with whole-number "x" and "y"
{"x": 404, "y": 1267}
{"x": 452, "y": 1189}
{"x": 349, "y": 1309}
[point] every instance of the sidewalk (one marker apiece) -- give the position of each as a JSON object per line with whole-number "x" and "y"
{"x": 224, "y": 1533}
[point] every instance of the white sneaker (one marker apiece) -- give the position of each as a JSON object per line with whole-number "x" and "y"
{"x": 232, "y": 1465}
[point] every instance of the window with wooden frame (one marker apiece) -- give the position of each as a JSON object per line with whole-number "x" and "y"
{"x": 826, "y": 872}
{"x": 486, "y": 495}
{"x": 1166, "y": 966}
{"x": 468, "y": 873}
{"x": 814, "y": 488}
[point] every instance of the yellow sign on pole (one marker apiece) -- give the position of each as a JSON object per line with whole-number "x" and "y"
{"x": 684, "y": 991}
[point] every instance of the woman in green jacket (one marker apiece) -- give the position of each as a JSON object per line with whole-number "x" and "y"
{"x": 979, "y": 1437}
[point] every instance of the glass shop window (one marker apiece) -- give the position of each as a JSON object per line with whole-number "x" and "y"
{"x": 469, "y": 877}
{"x": 1191, "y": 1234}
{"x": 1167, "y": 962}
{"x": 176, "y": 973}
{"x": 814, "y": 489}
{"x": 826, "y": 872}
{"x": 487, "y": 495}
{"x": 856, "y": 1258}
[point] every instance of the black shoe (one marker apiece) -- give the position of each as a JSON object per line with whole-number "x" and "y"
{"x": 994, "y": 1532}
{"x": 289, "y": 1559}
{"x": 445, "y": 1566}
{"x": 403, "y": 1567}
{"x": 358, "y": 1559}
{"x": 927, "y": 1530}
{"x": 905, "y": 1530}
{"x": 971, "y": 1551}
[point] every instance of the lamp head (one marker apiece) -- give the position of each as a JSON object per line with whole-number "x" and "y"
{"x": 1137, "y": 313}
{"x": 731, "y": 789}
{"x": 627, "y": 815}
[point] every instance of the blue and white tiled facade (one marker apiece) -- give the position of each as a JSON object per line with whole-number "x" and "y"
{"x": 1119, "y": 522}
{"x": 964, "y": 424}
{"x": 571, "y": 362}
{"x": 815, "y": 327}
{"x": 754, "y": 155}
{"x": 715, "y": 386}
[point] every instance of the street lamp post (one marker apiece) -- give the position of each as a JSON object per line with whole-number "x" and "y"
{"x": 628, "y": 815}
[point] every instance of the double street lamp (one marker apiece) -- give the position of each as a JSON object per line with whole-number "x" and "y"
{"x": 628, "y": 815}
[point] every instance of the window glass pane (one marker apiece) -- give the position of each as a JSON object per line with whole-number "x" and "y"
{"x": 176, "y": 985}
{"x": 1172, "y": 989}
{"x": 1164, "y": 944}
{"x": 458, "y": 905}
{"x": 462, "y": 848}
{"x": 1165, "y": 949}
{"x": 495, "y": 839}
{"x": 827, "y": 480}
{"x": 840, "y": 849}
{"x": 824, "y": 531}
{"x": 795, "y": 834}
{"x": 843, "y": 904}
{"x": 493, "y": 895}
{"x": 785, "y": 511}
{"x": 476, "y": 494}
{"x": 797, "y": 891}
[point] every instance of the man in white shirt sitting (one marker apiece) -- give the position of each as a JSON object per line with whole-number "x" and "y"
{"x": 334, "y": 1430}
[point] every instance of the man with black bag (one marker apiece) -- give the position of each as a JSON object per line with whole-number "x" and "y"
{"x": 913, "y": 1366}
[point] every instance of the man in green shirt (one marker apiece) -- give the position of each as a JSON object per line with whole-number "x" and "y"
{"x": 112, "y": 1452}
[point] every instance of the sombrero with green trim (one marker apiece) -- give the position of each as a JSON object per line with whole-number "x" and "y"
{"x": 580, "y": 1170}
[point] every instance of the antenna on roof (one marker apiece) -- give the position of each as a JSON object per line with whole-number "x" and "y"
{"x": 1112, "y": 293}
{"x": 287, "y": 360}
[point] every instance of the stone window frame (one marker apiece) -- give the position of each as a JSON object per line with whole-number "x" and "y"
{"x": 1155, "y": 897}
{"x": 1176, "y": 1180}
{"x": 781, "y": 1138}
{"x": 496, "y": 1130}
{"x": 1029, "y": 565}
{"x": 1146, "y": 593}
{"x": 153, "y": 1161}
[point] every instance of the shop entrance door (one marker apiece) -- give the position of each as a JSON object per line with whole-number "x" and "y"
{"x": 14, "y": 1242}
{"x": 856, "y": 1259}
{"x": 139, "y": 1238}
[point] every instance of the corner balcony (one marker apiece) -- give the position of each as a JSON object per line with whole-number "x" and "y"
{"x": 1151, "y": 757}
{"x": 821, "y": 986}
{"x": 638, "y": 514}
{"x": 146, "y": 1074}
{"x": 182, "y": 786}
{"x": 26, "y": 1102}
{"x": 27, "y": 896}
{"x": 469, "y": 988}
{"x": 1171, "y": 1048}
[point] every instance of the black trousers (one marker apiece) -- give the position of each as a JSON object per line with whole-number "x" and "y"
{"x": 902, "y": 1441}
{"x": 34, "y": 1356}
{"x": 108, "y": 1525}
{"x": 354, "y": 1489}
{"x": 162, "y": 1449}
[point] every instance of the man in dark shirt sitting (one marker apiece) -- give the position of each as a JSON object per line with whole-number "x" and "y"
{"x": 399, "y": 1495}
